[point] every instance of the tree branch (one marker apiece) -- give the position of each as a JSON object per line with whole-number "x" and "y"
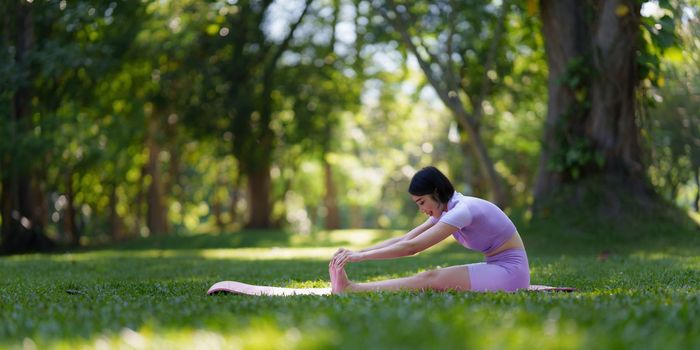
{"x": 489, "y": 64}
{"x": 270, "y": 66}
{"x": 399, "y": 25}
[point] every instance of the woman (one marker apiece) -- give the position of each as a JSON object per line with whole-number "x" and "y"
{"x": 475, "y": 223}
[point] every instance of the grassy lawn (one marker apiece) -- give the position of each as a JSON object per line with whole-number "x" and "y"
{"x": 151, "y": 294}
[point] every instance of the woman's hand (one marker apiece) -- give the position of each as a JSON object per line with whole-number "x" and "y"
{"x": 335, "y": 256}
{"x": 337, "y": 252}
{"x": 343, "y": 256}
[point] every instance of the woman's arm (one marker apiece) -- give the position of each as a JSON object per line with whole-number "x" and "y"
{"x": 411, "y": 234}
{"x": 419, "y": 243}
{"x": 383, "y": 244}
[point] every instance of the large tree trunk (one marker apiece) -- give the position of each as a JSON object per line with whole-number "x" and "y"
{"x": 259, "y": 198}
{"x": 591, "y": 53}
{"x": 156, "y": 212}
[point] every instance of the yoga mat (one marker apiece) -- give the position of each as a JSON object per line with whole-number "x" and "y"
{"x": 249, "y": 289}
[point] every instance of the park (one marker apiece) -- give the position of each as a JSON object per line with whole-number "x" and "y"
{"x": 366, "y": 150}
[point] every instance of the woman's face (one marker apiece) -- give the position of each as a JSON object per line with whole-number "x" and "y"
{"x": 428, "y": 205}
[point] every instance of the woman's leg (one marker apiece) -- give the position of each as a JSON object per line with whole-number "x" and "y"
{"x": 453, "y": 277}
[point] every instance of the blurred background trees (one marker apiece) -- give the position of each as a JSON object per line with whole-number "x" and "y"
{"x": 129, "y": 119}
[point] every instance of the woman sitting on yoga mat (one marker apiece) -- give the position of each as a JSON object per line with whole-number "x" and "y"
{"x": 477, "y": 224}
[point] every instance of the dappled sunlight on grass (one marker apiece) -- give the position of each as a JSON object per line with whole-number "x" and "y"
{"x": 269, "y": 253}
{"x": 154, "y": 296}
{"x": 518, "y": 329}
{"x": 351, "y": 238}
{"x": 309, "y": 284}
{"x": 273, "y": 253}
{"x": 691, "y": 261}
{"x": 256, "y": 333}
{"x": 695, "y": 216}
{"x": 512, "y": 327}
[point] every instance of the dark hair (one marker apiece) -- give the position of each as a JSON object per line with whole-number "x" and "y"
{"x": 430, "y": 180}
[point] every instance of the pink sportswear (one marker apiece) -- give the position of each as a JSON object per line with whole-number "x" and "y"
{"x": 481, "y": 224}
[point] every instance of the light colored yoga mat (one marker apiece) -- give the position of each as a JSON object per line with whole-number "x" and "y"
{"x": 249, "y": 289}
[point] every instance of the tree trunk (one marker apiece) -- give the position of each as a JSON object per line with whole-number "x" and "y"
{"x": 156, "y": 211}
{"x": 9, "y": 224}
{"x": 259, "y": 198}
{"x": 39, "y": 191}
{"x": 479, "y": 187}
{"x": 564, "y": 41}
{"x": 217, "y": 211}
{"x": 613, "y": 124}
{"x": 486, "y": 165}
{"x": 591, "y": 53}
{"x": 69, "y": 225}
{"x": 217, "y": 204}
{"x": 356, "y": 219}
{"x": 696, "y": 202}
{"x": 235, "y": 196}
{"x": 330, "y": 200}
{"x": 254, "y": 139}
{"x": 116, "y": 226}
{"x": 174, "y": 187}
{"x": 138, "y": 207}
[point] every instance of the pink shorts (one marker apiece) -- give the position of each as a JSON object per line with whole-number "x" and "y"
{"x": 506, "y": 271}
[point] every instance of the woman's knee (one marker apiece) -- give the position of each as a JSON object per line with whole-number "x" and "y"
{"x": 455, "y": 277}
{"x": 428, "y": 276}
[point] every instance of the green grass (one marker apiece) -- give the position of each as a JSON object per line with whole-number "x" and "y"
{"x": 151, "y": 294}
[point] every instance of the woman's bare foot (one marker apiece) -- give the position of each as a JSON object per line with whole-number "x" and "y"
{"x": 332, "y": 273}
{"x": 339, "y": 280}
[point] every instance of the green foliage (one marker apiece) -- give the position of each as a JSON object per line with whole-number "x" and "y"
{"x": 658, "y": 35}
{"x": 150, "y": 295}
{"x": 344, "y": 91}
{"x": 575, "y": 152}
{"x": 672, "y": 121}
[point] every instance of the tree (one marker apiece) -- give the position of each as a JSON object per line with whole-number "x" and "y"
{"x": 56, "y": 53}
{"x": 673, "y": 120}
{"x": 242, "y": 70}
{"x": 461, "y": 49}
{"x": 21, "y": 220}
{"x": 268, "y": 90}
{"x": 320, "y": 88}
{"x": 595, "y": 55}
